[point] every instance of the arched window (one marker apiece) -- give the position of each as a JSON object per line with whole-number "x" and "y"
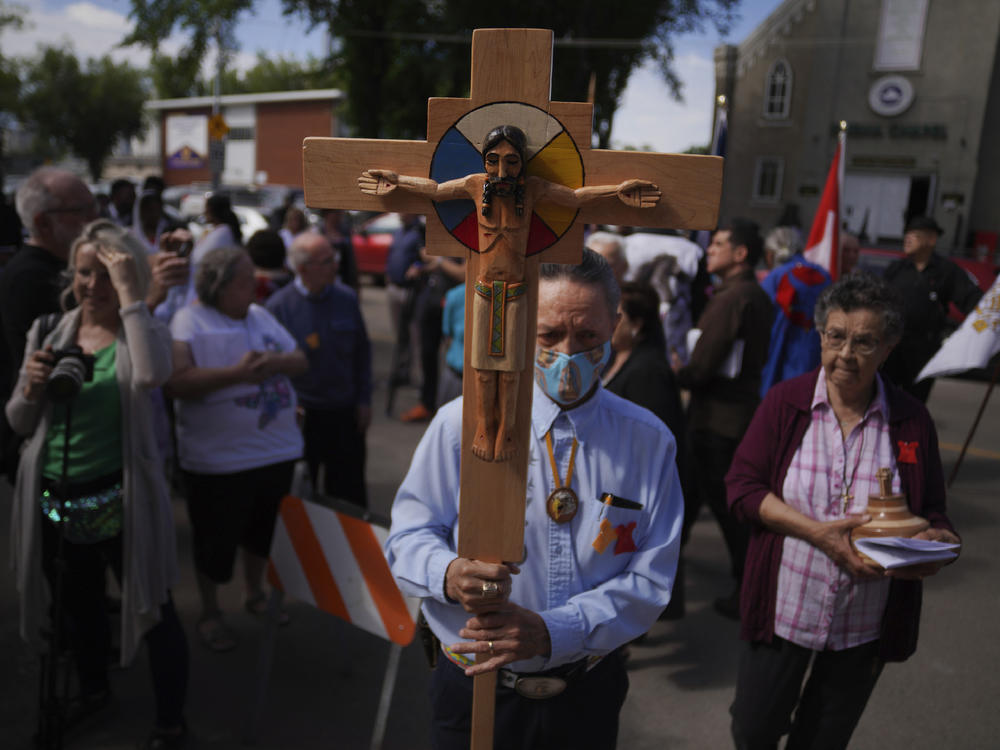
{"x": 778, "y": 90}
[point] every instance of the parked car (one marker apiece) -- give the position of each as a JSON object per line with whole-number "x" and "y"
{"x": 371, "y": 241}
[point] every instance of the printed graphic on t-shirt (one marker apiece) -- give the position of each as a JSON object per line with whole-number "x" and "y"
{"x": 272, "y": 396}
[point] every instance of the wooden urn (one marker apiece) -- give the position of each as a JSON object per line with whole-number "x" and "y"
{"x": 890, "y": 515}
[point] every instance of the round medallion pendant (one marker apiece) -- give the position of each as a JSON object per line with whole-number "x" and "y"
{"x": 562, "y": 505}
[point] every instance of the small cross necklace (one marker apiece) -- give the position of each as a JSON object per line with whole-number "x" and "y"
{"x": 845, "y": 492}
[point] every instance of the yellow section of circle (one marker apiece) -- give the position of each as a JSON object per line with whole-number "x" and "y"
{"x": 558, "y": 162}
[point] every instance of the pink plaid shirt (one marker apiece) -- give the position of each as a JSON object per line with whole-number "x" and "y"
{"x": 820, "y": 606}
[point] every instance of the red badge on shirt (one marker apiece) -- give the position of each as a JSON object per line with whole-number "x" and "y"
{"x": 625, "y": 543}
{"x": 907, "y": 452}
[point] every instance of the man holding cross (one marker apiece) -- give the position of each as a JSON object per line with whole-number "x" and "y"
{"x": 601, "y": 537}
{"x": 505, "y": 198}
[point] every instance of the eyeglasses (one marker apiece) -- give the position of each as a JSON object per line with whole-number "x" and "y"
{"x": 834, "y": 340}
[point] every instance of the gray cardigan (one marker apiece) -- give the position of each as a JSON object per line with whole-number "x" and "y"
{"x": 149, "y": 553}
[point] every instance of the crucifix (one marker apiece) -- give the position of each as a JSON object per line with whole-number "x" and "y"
{"x": 555, "y": 184}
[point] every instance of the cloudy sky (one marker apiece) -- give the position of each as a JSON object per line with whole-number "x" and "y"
{"x": 647, "y": 114}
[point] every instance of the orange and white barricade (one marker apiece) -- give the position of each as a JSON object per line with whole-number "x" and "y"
{"x": 334, "y": 561}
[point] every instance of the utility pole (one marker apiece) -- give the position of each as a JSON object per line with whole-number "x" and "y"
{"x": 217, "y": 127}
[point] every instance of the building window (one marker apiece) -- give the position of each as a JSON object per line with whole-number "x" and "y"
{"x": 778, "y": 90}
{"x": 241, "y": 133}
{"x": 767, "y": 179}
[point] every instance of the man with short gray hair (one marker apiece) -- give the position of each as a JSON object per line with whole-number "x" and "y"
{"x": 335, "y": 393}
{"x": 600, "y": 541}
{"x": 611, "y": 247}
{"x": 54, "y": 205}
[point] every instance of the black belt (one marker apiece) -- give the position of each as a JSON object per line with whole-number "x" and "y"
{"x": 547, "y": 684}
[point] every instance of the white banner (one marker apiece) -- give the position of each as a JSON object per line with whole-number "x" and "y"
{"x": 974, "y": 343}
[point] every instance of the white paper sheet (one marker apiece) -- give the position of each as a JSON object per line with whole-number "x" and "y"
{"x": 898, "y": 552}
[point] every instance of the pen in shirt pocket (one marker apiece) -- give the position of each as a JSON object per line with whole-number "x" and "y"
{"x": 613, "y": 501}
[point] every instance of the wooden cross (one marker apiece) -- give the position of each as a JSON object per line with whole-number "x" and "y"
{"x": 511, "y": 83}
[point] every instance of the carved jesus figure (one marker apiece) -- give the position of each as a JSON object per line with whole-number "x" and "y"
{"x": 504, "y": 199}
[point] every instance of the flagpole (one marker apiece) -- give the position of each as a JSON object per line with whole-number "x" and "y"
{"x": 835, "y": 250}
{"x": 975, "y": 425}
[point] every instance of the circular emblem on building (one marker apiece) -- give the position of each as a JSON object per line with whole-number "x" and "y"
{"x": 890, "y": 96}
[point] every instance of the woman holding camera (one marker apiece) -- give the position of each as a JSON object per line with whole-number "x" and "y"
{"x": 237, "y": 439}
{"x": 90, "y": 488}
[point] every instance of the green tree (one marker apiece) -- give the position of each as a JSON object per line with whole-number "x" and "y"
{"x": 393, "y": 54}
{"x": 83, "y": 110}
{"x": 11, "y": 19}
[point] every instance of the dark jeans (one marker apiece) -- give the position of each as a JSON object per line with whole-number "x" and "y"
{"x": 585, "y": 715}
{"x": 429, "y": 313}
{"x": 710, "y": 455}
{"x": 87, "y": 631}
{"x": 768, "y": 689}
{"x": 334, "y": 441}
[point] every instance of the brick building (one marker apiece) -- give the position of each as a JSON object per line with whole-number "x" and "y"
{"x": 264, "y": 143}
{"x": 918, "y": 82}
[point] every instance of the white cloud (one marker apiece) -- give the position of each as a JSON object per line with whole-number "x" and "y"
{"x": 94, "y": 17}
{"x": 649, "y": 115}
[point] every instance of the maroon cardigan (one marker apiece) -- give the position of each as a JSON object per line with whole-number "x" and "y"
{"x": 760, "y": 465}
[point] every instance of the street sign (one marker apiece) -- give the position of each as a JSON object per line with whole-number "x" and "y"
{"x": 217, "y": 127}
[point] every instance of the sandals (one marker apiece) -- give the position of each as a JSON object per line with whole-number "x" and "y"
{"x": 216, "y": 635}
{"x": 257, "y": 605}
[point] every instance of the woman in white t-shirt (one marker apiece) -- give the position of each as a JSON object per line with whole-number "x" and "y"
{"x": 237, "y": 438}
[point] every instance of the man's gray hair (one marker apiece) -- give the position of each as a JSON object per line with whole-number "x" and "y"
{"x": 216, "y": 269}
{"x": 105, "y": 233}
{"x": 593, "y": 269}
{"x": 615, "y": 241}
{"x": 34, "y": 196}
{"x": 784, "y": 242}
{"x": 862, "y": 291}
{"x": 298, "y": 254}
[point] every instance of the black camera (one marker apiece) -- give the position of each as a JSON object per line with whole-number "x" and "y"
{"x": 71, "y": 370}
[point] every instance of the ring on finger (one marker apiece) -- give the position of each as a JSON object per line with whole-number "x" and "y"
{"x": 490, "y": 588}
{"x": 492, "y": 652}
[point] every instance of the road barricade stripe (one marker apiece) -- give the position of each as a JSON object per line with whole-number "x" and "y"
{"x": 335, "y": 562}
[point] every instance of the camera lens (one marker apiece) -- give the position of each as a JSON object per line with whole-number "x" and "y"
{"x": 66, "y": 379}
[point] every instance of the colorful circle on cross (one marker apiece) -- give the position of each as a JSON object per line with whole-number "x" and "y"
{"x": 552, "y": 154}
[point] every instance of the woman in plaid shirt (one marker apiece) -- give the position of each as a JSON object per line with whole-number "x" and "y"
{"x": 801, "y": 478}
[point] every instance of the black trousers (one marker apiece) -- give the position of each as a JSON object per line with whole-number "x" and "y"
{"x": 710, "y": 456}
{"x": 86, "y": 629}
{"x": 585, "y": 715}
{"x": 429, "y": 314}
{"x": 769, "y": 688}
{"x": 334, "y": 441}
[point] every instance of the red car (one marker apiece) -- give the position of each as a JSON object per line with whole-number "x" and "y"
{"x": 371, "y": 241}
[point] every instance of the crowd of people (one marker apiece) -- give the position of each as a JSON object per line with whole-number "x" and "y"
{"x": 136, "y": 355}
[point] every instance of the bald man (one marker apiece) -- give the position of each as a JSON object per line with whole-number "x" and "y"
{"x": 336, "y": 392}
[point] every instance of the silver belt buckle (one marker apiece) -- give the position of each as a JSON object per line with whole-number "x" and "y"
{"x": 539, "y": 688}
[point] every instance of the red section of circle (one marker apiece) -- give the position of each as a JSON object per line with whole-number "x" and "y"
{"x": 539, "y": 236}
{"x": 467, "y": 232}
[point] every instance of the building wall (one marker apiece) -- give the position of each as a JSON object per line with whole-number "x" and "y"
{"x": 830, "y": 45}
{"x": 281, "y": 127}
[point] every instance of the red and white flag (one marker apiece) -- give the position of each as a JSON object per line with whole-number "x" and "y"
{"x": 335, "y": 562}
{"x": 974, "y": 343}
{"x": 823, "y": 245}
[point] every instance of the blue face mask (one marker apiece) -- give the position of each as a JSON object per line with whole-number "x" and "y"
{"x": 568, "y": 378}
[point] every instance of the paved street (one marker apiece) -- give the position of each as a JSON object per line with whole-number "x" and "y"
{"x": 325, "y": 684}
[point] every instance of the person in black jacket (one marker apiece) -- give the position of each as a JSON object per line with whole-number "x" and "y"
{"x": 928, "y": 283}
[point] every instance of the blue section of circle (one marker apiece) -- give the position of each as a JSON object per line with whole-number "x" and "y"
{"x": 454, "y": 157}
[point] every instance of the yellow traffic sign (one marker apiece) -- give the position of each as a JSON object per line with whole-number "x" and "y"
{"x": 217, "y": 127}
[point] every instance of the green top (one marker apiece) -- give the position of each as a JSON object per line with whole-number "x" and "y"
{"x": 95, "y": 444}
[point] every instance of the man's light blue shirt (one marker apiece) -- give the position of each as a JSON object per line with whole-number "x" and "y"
{"x": 591, "y": 601}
